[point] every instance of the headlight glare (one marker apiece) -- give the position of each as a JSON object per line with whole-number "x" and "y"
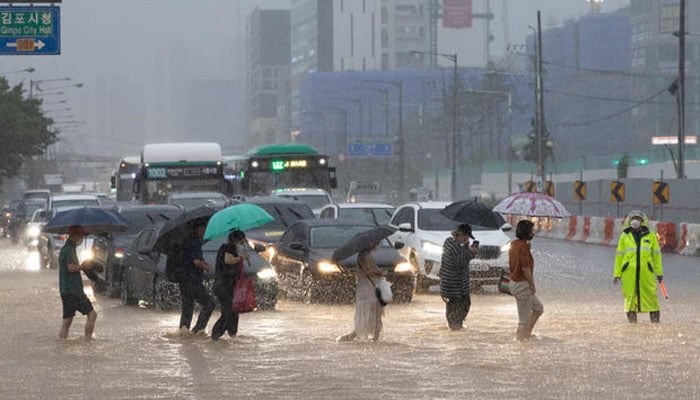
{"x": 325, "y": 267}
{"x": 505, "y": 248}
{"x": 86, "y": 255}
{"x": 403, "y": 267}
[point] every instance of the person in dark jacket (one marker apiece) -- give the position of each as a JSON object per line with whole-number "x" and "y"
{"x": 454, "y": 275}
{"x": 192, "y": 285}
{"x": 228, "y": 267}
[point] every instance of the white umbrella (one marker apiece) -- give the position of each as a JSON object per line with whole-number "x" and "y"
{"x": 533, "y": 205}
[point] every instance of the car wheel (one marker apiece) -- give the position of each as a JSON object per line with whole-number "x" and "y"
{"x": 127, "y": 298}
{"x": 165, "y": 294}
{"x": 422, "y": 283}
{"x": 310, "y": 291}
{"x": 113, "y": 289}
{"x": 43, "y": 262}
{"x": 53, "y": 260}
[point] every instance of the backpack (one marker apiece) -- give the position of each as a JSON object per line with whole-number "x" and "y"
{"x": 175, "y": 266}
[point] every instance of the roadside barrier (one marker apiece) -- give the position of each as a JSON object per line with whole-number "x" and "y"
{"x": 573, "y": 221}
{"x": 666, "y": 234}
{"x": 581, "y": 230}
{"x": 596, "y": 231}
{"x": 691, "y": 242}
{"x": 560, "y": 228}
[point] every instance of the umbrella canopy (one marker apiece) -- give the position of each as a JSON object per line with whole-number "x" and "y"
{"x": 178, "y": 230}
{"x": 94, "y": 220}
{"x": 362, "y": 241}
{"x": 239, "y": 216}
{"x": 533, "y": 205}
{"x": 473, "y": 213}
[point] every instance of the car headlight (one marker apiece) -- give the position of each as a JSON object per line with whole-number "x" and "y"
{"x": 266, "y": 274}
{"x": 119, "y": 253}
{"x": 505, "y": 248}
{"x": 403, "y": 267}
{"x": 325, "y": 267}
{"x": 432, "y": 247}
{"x": 86, "y": 254}
{"x": 33, "y": 231}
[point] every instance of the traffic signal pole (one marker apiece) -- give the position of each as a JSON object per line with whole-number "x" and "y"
{"x": 539, "y": 114}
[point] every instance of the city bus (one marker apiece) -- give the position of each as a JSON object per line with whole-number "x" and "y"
{"x": 122, "y": 182}
{"x": 279, "y": 166}
{"x": 178, "y": 167}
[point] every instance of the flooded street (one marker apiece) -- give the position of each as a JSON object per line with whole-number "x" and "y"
{"x": 584, "y": 347}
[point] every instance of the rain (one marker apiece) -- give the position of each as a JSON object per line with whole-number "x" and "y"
{"x": 142, "y": 122}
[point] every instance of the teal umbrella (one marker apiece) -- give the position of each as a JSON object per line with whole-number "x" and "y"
{"x": 240, "y": 216}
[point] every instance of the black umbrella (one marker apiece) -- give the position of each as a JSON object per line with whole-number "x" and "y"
{"x": 473, "y": 213}
{"x": 175, "y": 232}
{"x": 362, "y": 241}
{"x": 93, "y": 220}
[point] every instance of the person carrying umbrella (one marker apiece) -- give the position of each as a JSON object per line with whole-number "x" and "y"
{"x": 454, "y": 275}
{"x": 638, "y": 265}
{"x": 228, "y": 267}
{"x": 522, "y": 280}
{"x": 71, "y": 284}
{"x": 192, "y": 285}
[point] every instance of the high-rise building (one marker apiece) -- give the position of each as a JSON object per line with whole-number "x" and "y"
{"x": 655, "y": 60}
{"x": 269, "y": 50}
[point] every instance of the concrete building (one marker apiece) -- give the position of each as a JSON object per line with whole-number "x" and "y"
{"x": 269, "y": 50}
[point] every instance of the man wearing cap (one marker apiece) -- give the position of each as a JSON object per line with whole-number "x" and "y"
{"x": 71, "y": 284}
{"x": 454, "y": 275}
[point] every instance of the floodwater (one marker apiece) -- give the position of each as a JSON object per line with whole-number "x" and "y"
{"x": 584, "y": 348}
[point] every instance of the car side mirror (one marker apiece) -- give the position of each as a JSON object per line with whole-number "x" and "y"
{"x": 296, "y": 246}
{"x": 398, "y": 245}
{"x": 506, "y": 227}
{"x": 406, "y": 227}
{"x": 258, "y": 248}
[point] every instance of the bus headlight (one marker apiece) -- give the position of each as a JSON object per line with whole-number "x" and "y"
{"x": 325, "y": 267}
{"x": 266, "y": 274}
{"x": 403, "y": 267}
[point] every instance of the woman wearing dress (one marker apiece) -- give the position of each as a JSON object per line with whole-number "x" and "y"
{"x": 368, "y": 311}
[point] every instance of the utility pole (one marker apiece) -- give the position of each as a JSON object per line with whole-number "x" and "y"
{"x": 455, "y": 142}
{"x": 539, "y": 114}
{"x": 681, "y": 91}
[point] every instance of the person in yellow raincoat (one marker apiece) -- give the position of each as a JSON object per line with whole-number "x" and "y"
{"x": 638, "y": 266}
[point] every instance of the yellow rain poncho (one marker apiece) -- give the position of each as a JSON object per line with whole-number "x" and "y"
{"x": 638, "y": 263}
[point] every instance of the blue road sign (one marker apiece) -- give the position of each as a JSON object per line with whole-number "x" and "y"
{"x": 370, "y": 148}
{"x": 30, "y": 30}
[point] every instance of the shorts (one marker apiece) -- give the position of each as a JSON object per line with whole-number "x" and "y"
{"x": 75, "y": 302}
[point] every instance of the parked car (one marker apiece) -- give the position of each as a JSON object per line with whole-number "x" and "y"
{"x": 304, "y": 269}
{"x": 314, "y": 198}
{"x": 284, "y": 211}
{"x": 192, "y": 200}
{"x": 144, "y": 279}
{"x": 108, "y": 249}
{"x": 50, "y": 244}
{"x": 423, "y": 230}
{"x": 373, "y": 213}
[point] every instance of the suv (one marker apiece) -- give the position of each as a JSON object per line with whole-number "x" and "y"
{"x": 423, "y": 230}
{"x": 315, "y": 198}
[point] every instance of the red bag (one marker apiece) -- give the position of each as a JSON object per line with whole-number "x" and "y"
{"x": 243, "y": 294}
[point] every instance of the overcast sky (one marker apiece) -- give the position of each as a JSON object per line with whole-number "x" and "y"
{"x": 162, "y": 46}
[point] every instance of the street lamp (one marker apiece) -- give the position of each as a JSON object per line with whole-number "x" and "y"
{"x": 453, "y": 175}
{"x": 28, "y": 70}
{"x": 35, "y": 84}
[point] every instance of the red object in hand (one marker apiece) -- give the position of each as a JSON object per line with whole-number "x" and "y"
{"x": 663, "y": 290}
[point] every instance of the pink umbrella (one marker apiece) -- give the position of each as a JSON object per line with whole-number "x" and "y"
{"x": 533, "y": 205}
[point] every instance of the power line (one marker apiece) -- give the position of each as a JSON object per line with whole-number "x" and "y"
{"x": 616, "y": 114}
{"x": 605, "y": 71}
{"x": 605, "y": 98}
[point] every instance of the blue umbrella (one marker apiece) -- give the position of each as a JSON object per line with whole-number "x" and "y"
{"x": 242, "y": 216}
{"x": 93, "y": 220}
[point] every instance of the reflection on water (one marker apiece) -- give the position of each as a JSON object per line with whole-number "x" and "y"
{"x": 584, "y": 347}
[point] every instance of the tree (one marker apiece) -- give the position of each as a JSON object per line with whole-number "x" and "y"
{"x": 622, "y": 165}
{"x": 24, "y": 130}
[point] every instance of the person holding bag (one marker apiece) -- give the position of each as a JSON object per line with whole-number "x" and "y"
{"x": 522, "y": 280}
{"x": 368, "y": 310}
{"x": 228, "y": 268}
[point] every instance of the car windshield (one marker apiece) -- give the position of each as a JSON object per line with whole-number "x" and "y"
{"x": 313, "y": 200}
{"x": 56, "y": 204}
{"x": 33, "y": 206}
{"x": 430, "y": 219}
{"x": 139, "y": 220}
{"x": 285, "y": 214}
{"x": 377, "y": 216}
{"x": 332, "y": 237}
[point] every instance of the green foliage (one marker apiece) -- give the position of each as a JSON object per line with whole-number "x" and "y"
{"x": 24, "y": 131}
